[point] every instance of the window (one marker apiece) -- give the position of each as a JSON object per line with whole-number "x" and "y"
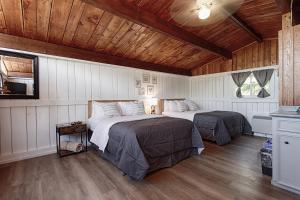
{"x": 251, "y": 88}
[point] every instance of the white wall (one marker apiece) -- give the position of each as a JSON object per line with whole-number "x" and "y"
{"x": 217, "y": 92}
{"x": 27, "y": 127}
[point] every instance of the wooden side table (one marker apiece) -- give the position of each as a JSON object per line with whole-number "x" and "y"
{"x": 70, "y": 129}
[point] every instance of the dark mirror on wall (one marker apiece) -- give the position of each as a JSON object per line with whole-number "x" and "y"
{"x": 18, "y": 76}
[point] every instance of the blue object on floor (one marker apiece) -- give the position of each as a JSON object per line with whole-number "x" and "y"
{"x": 266, "y": 157}
{"x": 268, "y": 144}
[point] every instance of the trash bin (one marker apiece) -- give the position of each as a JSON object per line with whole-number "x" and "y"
{"x": 266, "y": 158}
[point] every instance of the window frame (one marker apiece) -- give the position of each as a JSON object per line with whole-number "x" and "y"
{"x": 253, "y": 96}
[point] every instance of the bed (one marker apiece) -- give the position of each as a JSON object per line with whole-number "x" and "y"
{"x": 140, "y": 144}
{"x": 216, "y": 126}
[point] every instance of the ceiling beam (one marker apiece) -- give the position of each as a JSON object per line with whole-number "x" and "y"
{"x": 239, "y": 22}
{"x": 25, "y": 44}
{"x": 150, "y": 20}
{"x": 284, "y": 6}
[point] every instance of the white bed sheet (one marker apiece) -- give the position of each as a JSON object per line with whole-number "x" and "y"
{"x": 189, "y": 115}
{"x": 101, "y": 127}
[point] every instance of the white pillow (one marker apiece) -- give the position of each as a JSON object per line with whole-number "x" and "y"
{"x": 132, "y": 108}
{"x": 172, "y": 106}
{"x": 111, "y": 109}
{"x": 137, "y": 108}
{"x": 192, "y": 105}
{"x": 123, "y": 107}
{"x": 166, "y": 106}
{"x": 181, "y": 106}
{"x": 97, "y": 110}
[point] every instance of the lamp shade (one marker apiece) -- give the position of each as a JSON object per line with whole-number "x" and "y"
{"x": 153, "y": 101}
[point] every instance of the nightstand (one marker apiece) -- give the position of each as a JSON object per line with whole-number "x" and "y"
{"x": 70, "y": 129}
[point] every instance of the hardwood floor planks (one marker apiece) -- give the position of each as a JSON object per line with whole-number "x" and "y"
{"x": 221, "y": 172}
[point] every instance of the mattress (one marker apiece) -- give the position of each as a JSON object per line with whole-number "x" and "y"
{"x": 138, "y": 145}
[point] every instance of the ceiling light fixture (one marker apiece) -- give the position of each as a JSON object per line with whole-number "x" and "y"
{"x": 204, "y": 12}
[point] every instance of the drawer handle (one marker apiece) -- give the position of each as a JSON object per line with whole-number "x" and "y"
{"x": 286, "y": 142}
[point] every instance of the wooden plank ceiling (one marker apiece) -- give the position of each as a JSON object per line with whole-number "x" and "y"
{"x": 80, "y": 25}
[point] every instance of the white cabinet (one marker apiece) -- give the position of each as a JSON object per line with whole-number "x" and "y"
{"x": 289, "y": 165}
{"x": 286, "y": 153}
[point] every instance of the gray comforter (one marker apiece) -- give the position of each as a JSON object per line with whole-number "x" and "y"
{"x": 221, "y": 126}
{"x": 142, "y": 146}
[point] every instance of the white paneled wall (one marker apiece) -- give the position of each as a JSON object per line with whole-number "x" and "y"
{"x": 27, "y": 127}
{"x": 217, "y": 92}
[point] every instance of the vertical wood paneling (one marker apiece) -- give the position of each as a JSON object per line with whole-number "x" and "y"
{"x": 88, "y": 82}
{"x": 43, "y": 136}
{"x": 123, "y": 87}
{"x": 31, "y": 128}
{"x": 95, "y": 78}
{"x": 65, "y": 87}
{"x": 52, "y": 124}
{"x": 62, "y": 79}
{"x": 252, "y": 56}
{"x": 289, "y": 62}
{"x": 5, "y": 128}
{"x": 18, "y": 125}
{"x": 71, "y": 80}
{"x": 43, "y": 78}
{"x": 52, "y": 78}
{"x": 80, "y": 81}
{"x": 297, "y": 65}
{"x": 106, "y": 82}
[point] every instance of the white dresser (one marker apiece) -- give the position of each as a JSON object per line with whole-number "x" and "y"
{"x": 286, "y": 150}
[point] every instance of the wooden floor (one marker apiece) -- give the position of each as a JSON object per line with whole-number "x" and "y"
{"x": 228, "y": 172}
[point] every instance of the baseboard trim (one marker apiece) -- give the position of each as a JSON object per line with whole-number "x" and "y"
{"x": 27, "y": 155}
{"x": 263, "y": 135}
{"x": 291, "y": 189}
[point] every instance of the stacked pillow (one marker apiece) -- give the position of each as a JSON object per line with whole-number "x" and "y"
{"x": 180, "y": 106}
{"x": 104, "y": 110}
{"x": 192, "y": 105}
{"x": 132, "y": 108}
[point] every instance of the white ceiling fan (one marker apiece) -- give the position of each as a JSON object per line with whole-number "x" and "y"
{"x": 195, "y": 13}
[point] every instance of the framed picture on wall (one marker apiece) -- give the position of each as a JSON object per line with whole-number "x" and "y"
{"x": 154, "y": 79}
{"x": 146, "y": 78}
{"x": 138, "y": 83}
{"x": 150, "y": 90}
{"x": 141, "y": 91}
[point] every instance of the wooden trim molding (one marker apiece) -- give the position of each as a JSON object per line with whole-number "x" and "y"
{"x": 25, "y": 44}
{"x": 148, "y": 19}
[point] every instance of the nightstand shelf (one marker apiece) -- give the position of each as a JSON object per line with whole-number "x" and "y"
{"x": 70, "y": 129}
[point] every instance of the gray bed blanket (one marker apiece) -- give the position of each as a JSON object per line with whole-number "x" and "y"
{"x": 221, "y": 126}
{"x": 142, "y": 146}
